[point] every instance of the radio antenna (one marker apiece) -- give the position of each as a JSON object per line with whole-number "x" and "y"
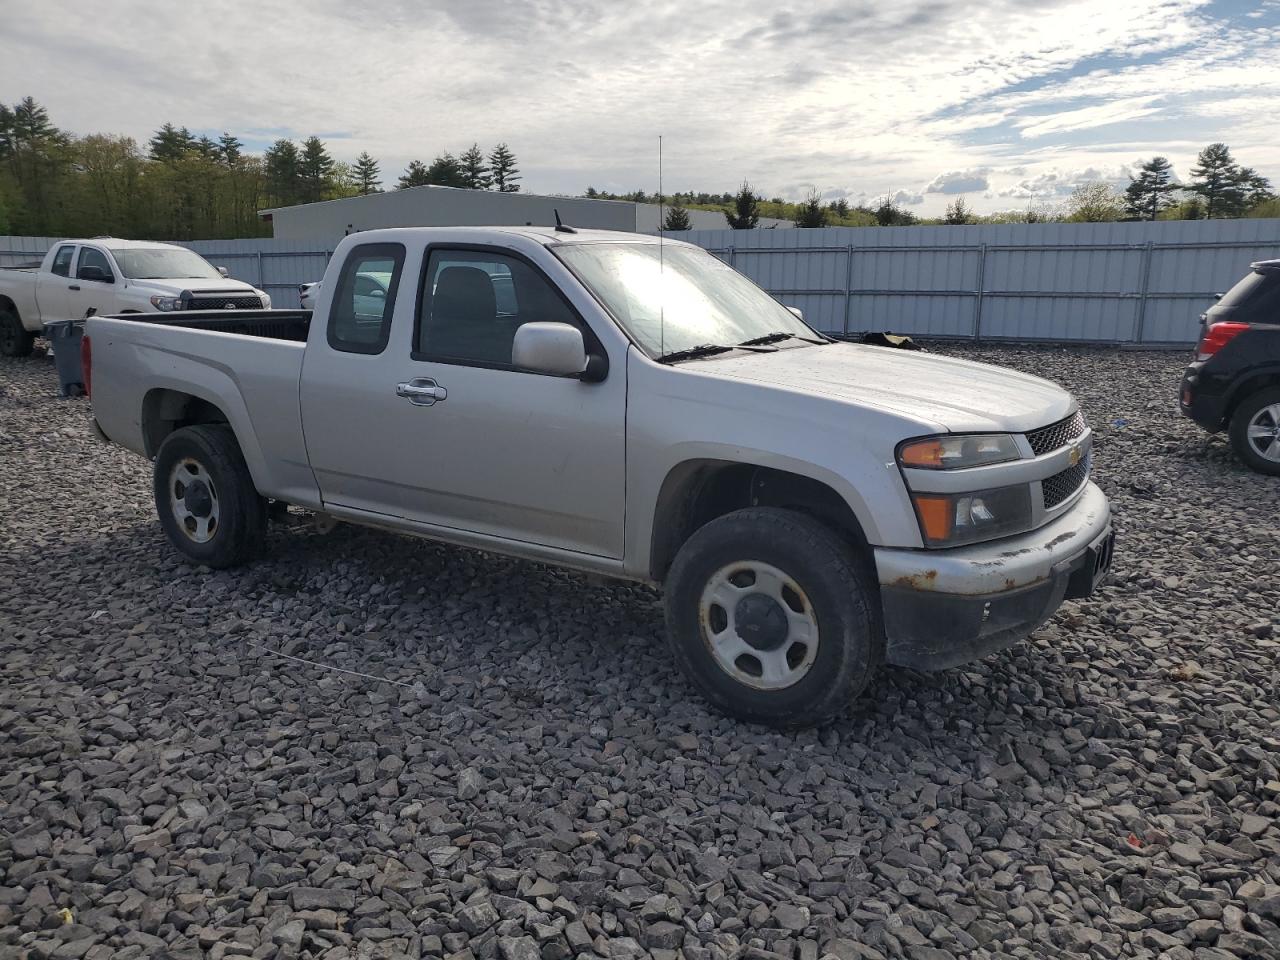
{"x": 662, "y": 292}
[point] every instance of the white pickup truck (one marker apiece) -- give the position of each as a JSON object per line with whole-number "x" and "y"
{"x": 111, "y": 276}
{"x": 609, "y": 403}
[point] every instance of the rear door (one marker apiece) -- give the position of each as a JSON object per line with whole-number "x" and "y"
{"x": 55, "y": 286}
{"x": 501, "y": 452}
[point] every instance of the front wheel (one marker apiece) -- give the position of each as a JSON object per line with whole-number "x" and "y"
{"x": 772, "y": 615}
{"x": 205, "y": 497}
{"x": 15, "y": 339}
{"x": 1255, "y": 431}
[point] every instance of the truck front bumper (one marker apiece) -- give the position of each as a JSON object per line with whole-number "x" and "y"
{"x": 947, "y": 607}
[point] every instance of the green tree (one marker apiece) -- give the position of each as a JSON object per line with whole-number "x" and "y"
{"x": 840, "y": 208}
{"x": 810, "y": 213}
{"x": 677, "y": 219}
{"x": 1151, "y": 191}
{"x": 445, "y": 171}
{"x": 366, "y": 174}
{"x": 230, "y": 149}
{"x": 315, "y": 169}
{"x": 1256, "y": 188}
{"x": 38, "y": 160}
{"x": 1094, "y": 202}
{"x": 171, "y": 143}
{"x": 206, "y": 148}
{"x": 415, "y": 175}
{"x": 283, "y": 168}
{"x": 474, "y": 169}
{"x": 1216, "y": 178}
{"x": 503, "y": 169}
{"x": 746, "y": 209}
{"x": 889, "y": 214}
{"x": 958, "y": 212}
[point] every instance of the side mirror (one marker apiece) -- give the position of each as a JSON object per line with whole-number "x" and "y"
{"x": 797, "y": 311}
{"x": 554, "y": 348}
{"x": 224, "y": 272}
{"x": 95, "y": 273}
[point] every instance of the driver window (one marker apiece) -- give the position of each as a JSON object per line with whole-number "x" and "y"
{"x": 474, "y": 301}
{"x": 62, "y": 261}
{"x": 98, "y": 268}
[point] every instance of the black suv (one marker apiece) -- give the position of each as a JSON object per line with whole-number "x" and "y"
{"x": 1234, "y": 382}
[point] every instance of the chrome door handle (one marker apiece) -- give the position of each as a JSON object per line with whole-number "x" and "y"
{"x": 421, "y": 391}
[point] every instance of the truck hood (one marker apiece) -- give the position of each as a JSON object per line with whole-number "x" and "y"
{"x": 172, "y": 286}
{"x": 954, "y": 395}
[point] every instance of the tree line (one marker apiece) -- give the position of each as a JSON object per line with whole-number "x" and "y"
{"x": 180, "y": 186}
{"x": 1219, "y": 188}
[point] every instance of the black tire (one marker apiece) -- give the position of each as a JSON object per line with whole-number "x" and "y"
{"x": 1245, "y": 412}
{"x": 834, "y": 579}
{"x": 209, "y": 450}
{"x": 15, "y": 340}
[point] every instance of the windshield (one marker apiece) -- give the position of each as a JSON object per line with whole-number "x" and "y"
{"x": 687, "y": 299}
{"x": 163, "y": 263}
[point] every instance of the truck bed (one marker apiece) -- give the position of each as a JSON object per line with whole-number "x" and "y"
{"x": 270, "y": 324}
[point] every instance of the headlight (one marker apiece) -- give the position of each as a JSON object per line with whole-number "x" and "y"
{"x": 950, "y": 519}
{"x": 955, "y": 452}
{"x": 167, "y": 303}
{"x": 266, "y": 298}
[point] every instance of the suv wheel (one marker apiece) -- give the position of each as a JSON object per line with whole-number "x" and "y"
{"x": 772, "y": 616}
{"x": 1255, "y": 431}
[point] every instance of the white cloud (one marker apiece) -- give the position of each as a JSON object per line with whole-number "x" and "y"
{"x": 842, "y": 95}
{"x": 960, "y": 181}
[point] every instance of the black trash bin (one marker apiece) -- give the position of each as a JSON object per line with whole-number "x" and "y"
{"x": 65, "y": 336}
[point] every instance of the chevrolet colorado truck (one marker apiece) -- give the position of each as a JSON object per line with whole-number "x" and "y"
{"x": 111, "y": 276}
{"x": 635, "y": 408}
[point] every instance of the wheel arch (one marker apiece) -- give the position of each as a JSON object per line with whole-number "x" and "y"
{"x": 1262, "y": 378}
{"x": 696, "y": 492}
{"x": 6, "y": 303}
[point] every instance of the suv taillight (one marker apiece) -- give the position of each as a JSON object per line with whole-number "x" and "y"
{"x": 1217, "y": 336}
{"x": 86, "y": 364}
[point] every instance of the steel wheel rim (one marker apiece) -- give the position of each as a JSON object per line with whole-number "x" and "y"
{"x": 1263, "y": 432}
{"x": 759, "y": 625}
{"x": 197, "y": 518}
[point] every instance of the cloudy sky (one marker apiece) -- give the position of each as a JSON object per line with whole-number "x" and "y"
{"x": 1006, "y": 102}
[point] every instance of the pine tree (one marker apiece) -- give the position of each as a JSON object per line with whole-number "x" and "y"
{"x": 415, "y": 175}
{"x": 503, "y": 169}
{"x": 38, "y": 156}
{"x": 1255, "y": 187}
{"x": 958, "y": 212}
{"x": 171, "y": 144}
{"x": 315, "y": 167}
{"x": 677, "y": 219}
{"x": 810, "y": 213}
{"x": 475, "y": 170}
{"x": 283, "y": 173}
{"x": 1216, "y": 179}
{"x": 840, "y": 208}
{"x": 445, "y": 171}
{"x": 746, "y": 209}
{"x": 1151, "y": 191}
{"x": 366, "y": 174}
{"x": 230, "y": 149}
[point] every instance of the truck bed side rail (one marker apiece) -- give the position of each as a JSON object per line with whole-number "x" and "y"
{"x": 270, "y": 324}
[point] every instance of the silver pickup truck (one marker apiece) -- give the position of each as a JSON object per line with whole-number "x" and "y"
{"x": 637, "y": 409}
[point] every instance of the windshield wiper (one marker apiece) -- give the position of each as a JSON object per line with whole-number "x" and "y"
{"x": 775, "y": 337}
{"x": 692, "y": 353}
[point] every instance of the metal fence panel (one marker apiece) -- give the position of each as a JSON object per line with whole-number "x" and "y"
{"x": 1065, "y": 282}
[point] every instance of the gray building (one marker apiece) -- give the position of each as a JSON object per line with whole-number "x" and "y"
{"x": 329, "y": 221}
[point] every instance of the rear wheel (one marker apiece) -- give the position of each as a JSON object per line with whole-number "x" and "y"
{"x": 772, "y": 616}
{"x": 205, "y": 497}
{"x": 1255, "y": 431}
{"x": 15, "y": 340}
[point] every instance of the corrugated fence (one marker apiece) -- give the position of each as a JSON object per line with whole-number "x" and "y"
{"x": 1067, "y": 282}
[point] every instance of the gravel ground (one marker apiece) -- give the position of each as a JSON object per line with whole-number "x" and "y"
{"x": 513, "y": 768}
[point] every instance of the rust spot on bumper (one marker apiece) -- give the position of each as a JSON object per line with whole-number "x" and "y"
{"x": 917, "y": 581}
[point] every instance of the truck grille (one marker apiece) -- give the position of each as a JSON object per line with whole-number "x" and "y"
{"x": 211, "y": 301}
{"x": 1056, "y": 435}
{"x": 1059, "y": 488}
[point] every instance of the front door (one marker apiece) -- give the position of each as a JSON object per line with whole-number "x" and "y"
{"x": 428, "y": 419}
{"x": 96, "y": 282}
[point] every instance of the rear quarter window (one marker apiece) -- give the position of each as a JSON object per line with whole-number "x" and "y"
{"x": 1255, "y": 299}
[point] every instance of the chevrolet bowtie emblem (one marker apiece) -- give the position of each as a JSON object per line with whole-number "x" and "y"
{"x": 1074, "y": 456}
